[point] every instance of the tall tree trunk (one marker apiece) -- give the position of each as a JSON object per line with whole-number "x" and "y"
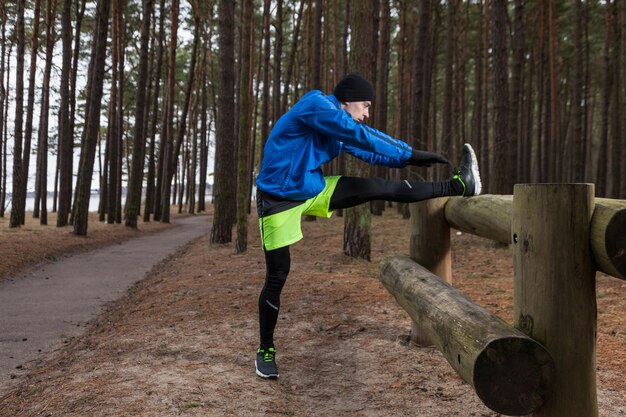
{"x": 114, "y": 128}
{"x": 578, "y": 107}
{"x": 616, "y": 106}
{"x": 30, "y": 105}
{"x": 382, "y": 81}
{"x": 224, "y": 179}
{"x": 204, "y": 133}
{"x": 517, "y": 88}
{"x": 316, "y": 73}
{"x": 40, "y": 209}
{"x": 151, "y": 190}
{"x": 541, "y": 149}
{"x": 265, "y": 100}
{"x": 92, "y": 122}
{"x": 419, "y": 120}
{"x": 503, "y": 182}
{"x": 193, "y": 161}
{"x": 66, "y": 142}
{"x": 485, "y": 137}
{"x": 135, "y": 181}
{"x": 17, "y": 203}
{"x": 104, "y": 172}
{"x": 478, "y": 92}
{"x": 5, "y": 133}
{"x": 3, "y": 100}
{"x": 183, "y": 122}
{"x": 447, "y": 138}
{"x": 80, "y": 13}
{"x": 292, "y": 58}
{"x": 167, "y": 145}
{"x": 278, "y": 52}
{"x": 245, "y": 102}
{"x": 357, "y": 223}
{"x": 620, "y": 145}
{"x": 555, "y": 133}
{"x": 120, "y": 114}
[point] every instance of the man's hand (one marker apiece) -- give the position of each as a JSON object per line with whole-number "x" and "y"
{"x": 426, "y": 159}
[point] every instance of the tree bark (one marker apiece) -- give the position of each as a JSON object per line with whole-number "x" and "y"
{"x": 292, "y": 59}
{"x": 503, "y": 179}
{"x": 17, "y": 202}
{"x": 167, "y": 172}
{"x": 447, "y": 132}
{"x": 114, "y": 128}
{"x": 382, "y": 83}
{"x": 357, "y": 221}
{"x": 5, "y": 133}
{"x": 40, "y": 209}
{"x": 182, "y": 129}
{"x": 224, "y": 179}
{"x": 518, "y": 46}
{"x": 577, "y": 142}
{"x": 204, "y": 133}
{"x": 265, "y": 101}
{"x": 245, "y": 102}
{"x": 92, "y": 125}
{"x": 66, "y": 142}
{"x": 278, "y": 52}
{"x": 151, "y": 190}
{"x": 135, "y": 181}
{"x": 3, "y": 100}
{"x": 30, "y": 106}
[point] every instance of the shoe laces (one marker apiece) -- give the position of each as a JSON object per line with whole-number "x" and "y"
{"x": 268, "y": 354}
{"x": 457, "y": 176}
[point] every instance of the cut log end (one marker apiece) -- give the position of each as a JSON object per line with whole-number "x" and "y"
{"x": 513, "y": 376}
{"x": 616, "y": 242}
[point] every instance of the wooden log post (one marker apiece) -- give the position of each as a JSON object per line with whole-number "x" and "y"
{"x": 430, "y": 247}
{"x": 555, "y": 300}
{"x": 511, "y": 373}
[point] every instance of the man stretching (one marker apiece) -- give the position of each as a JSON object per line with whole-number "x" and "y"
{"x": 291, "y": 183}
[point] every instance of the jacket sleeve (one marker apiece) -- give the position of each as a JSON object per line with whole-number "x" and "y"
{"x": 321, "y": 115}
{"x": 372, "y": 158}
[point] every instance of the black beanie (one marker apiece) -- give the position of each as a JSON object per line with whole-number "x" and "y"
{"x": 353, "y": 87}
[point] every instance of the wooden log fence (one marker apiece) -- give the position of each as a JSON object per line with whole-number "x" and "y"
{"x": 560, "y": 236}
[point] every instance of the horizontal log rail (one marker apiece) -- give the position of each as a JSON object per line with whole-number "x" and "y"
{"x": 511, "y": 373}
{"x": 490, "y": 216}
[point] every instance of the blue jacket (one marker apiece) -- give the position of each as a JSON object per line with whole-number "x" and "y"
{"x": 314, "y": 131}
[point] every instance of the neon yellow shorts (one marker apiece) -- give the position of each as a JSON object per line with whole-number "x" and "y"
{"x": 284, "y": 228}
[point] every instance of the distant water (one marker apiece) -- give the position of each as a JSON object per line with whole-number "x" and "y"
{"x": 94, "y": 201}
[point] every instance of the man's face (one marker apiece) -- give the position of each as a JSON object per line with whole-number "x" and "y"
{"x": 359, "y": 110}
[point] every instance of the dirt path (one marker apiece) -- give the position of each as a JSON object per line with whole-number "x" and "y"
{"x": 43, "y": 307}
{"x": 182, "y": 341}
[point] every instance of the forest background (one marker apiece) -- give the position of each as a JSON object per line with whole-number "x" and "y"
{"x": 159, "y": 101}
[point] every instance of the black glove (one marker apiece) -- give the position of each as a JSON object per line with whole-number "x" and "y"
{"x": 426, "y": 159}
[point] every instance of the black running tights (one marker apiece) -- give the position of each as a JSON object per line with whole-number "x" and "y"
{"x": 350, "y": 191}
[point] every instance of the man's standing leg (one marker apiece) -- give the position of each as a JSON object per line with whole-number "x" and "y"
{"x": 278, "y": 263}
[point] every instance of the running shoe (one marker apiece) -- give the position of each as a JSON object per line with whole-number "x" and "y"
{"x": 266, "y": 363}
{"x": 468, "y": 174}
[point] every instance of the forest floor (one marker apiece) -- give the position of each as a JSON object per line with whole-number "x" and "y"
{"x": 182, "y": 341}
